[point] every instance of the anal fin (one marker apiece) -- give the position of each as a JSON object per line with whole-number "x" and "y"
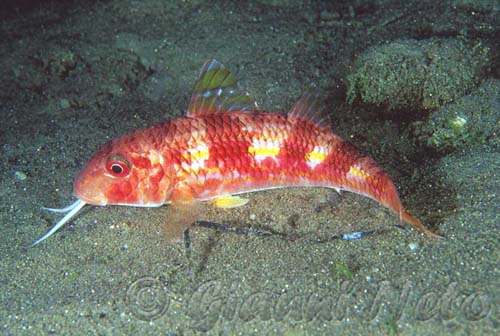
{"x": 228, "y": 201}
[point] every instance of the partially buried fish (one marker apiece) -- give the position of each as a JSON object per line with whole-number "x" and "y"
{"x": 223, "y": 147}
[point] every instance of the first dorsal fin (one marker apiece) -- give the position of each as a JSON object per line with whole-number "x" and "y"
{"x": 310, "y": 107}
{"x": 216, "y": 90}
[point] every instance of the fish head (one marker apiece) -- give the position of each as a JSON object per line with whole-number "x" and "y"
{"x": 124, "y": 172}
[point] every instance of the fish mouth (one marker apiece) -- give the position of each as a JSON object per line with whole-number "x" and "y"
{"x": 89, "y": 190}
{"x": 92, "y": 200}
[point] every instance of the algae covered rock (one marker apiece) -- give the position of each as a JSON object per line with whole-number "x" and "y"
{"x": 412, "y": 74}
{"x": 473, "y": 119}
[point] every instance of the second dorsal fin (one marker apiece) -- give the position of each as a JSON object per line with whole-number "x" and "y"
{"x": 216, "y": 90}
{"x": 310, "y": 107}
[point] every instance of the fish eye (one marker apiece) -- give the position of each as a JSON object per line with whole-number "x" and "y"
{"x": 117, "y": 165}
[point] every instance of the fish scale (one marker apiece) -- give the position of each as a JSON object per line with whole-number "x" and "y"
{"x": 223, "y": 147}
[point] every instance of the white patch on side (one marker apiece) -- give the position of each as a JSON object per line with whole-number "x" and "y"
{"x": 198, "y": 153}
{"x": 357, "y": 173}
{"x": 214, "y": 175}
{"x": 156, "y": 160}
{"x": 264, "y": 148}
{"x": 316, "y": 156}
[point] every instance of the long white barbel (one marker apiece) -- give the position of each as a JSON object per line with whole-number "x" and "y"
{"x": 62, "y": 210}
{"x": 73, "y": 210}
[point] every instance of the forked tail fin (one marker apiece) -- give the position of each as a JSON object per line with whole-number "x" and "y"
{"x": 380, "y": 187}
{"x": 415, "y": 222}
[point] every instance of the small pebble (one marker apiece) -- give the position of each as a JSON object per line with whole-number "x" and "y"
{"x": 253, "y": 217}
{"x": 20, "y": 175}
{"x": 64, "y": 103}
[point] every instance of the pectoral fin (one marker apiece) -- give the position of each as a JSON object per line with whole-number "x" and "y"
{"x": 183, "y": 212}
{"x": 228, "y": 201}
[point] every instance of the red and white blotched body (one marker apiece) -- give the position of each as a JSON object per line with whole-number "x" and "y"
{"x": 224, "y": 147}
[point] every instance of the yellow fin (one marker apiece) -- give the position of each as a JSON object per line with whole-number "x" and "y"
{"x": 228, "y": 201}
